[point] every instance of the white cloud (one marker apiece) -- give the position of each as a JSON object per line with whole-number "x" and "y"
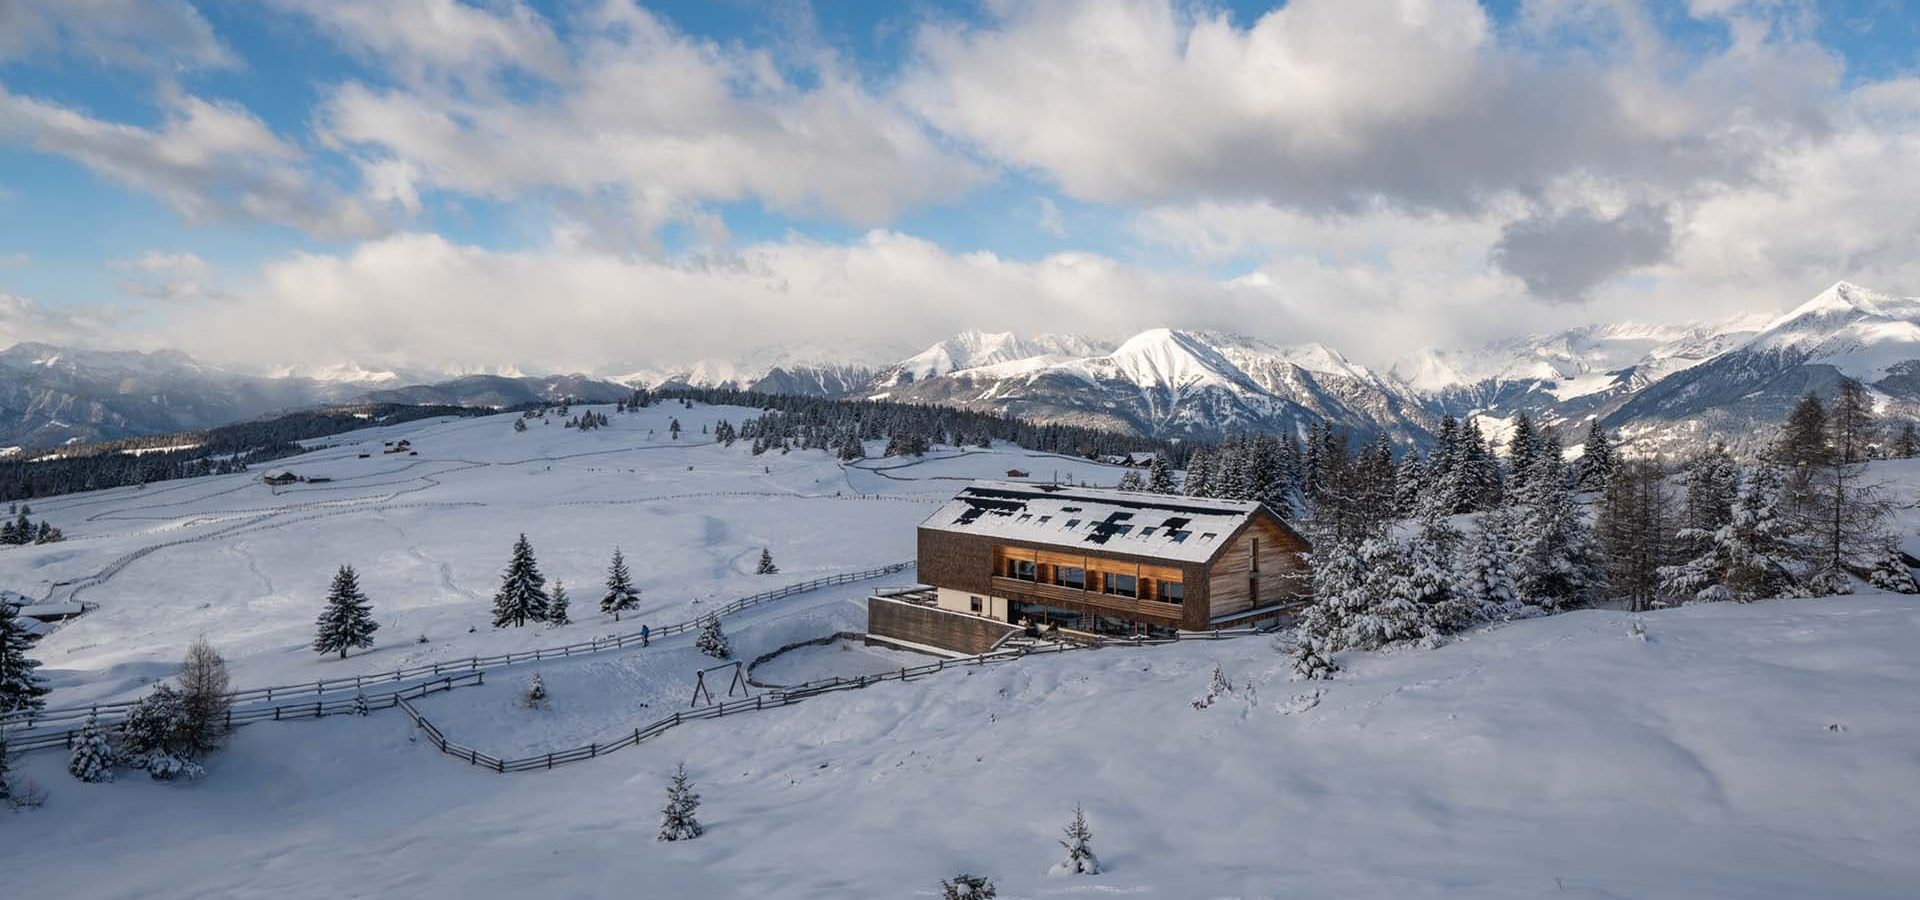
{"x": 160, "y": 35}
{"x": 431, "y": 38}
{"x": 22, "y": 319}
{"x": 170, "y": 277}
{"x": 420, "y": 301}
{"x": 209, "y": 161}
{"x": 1049, "y": 217}
{"x": 650, "y": 123}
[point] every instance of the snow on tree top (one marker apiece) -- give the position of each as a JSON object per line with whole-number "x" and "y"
{"x": 1184, "y": 529}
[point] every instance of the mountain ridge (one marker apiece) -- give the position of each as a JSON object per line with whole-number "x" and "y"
{"x": 1661, "y": 386}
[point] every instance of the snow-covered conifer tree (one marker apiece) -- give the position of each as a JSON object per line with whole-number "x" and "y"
{"x": 1749, "y": 558}
{"x": 1079, "y": 845}
{"x": 1199, "y": 480}
{"x": 766, "y": 566}
{"x": 621, "y": 594}
{"x": 1554, "y": 558}
{"x": 1160, "y": 476}
{"x": 1429, "y": 577}
{"x": 20, "y": 687}
{"x": 157, "y": 736}
{"x": 712, "y": 641}
{"x": 523, "y": 590}
{"x": 91, "y": 759}
{"x": 535, "y": 694}
{"x": 968, "y": 887}
{"x": 678, "y": 821}
{"x": 557, "y": 607}
{"x": 347, "y": 621}
{"x": 1392, "y": 614}
{"x": 1483, "y": 578}
{"x": 1597, "y": 459}
{"x": 1890, "y": 572}
{"x": 1132, "y": 482}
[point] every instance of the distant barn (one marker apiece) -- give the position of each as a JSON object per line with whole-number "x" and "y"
{"x": 1016, "y": 473}
{"x": 279, "y": 477}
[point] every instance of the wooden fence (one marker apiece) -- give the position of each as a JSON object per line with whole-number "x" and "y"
{"x": 314, "y": 709}
{"x": 107, "y": 713}
{"x": 775, "y": 699}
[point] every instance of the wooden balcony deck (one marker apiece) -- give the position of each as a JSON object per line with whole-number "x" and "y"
{"x": 1111, "y": 603}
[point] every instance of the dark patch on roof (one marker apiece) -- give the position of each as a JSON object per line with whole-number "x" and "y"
{"x": 976, "y": 507}
{"x": 1114, "y": 523}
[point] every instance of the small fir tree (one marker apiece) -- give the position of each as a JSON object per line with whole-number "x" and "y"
{"x": 347, "y": 622}
{"x": 91, "y": 760}
{"x": 713, "y": 641}
{"x": 20, "y": 687}
{"x": 557, "y": 607}
{"x": 1889, "y": 571}
{"x": 621, "y": 594}
{"x": 968, "y": 887}
{"x": 535, "y": 695}
{"x": 523, "y": 590}
{"x": 678, "y": 821}
{"x": 766, "y": 566}
{"x": 1079, "y": 844}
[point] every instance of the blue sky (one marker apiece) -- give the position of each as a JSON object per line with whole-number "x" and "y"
{"x": 1376, "y": 174}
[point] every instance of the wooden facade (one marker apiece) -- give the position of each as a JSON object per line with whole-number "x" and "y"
{"x": 1259, "y": 567}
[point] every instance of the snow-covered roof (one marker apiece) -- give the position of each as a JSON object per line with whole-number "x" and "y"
{"x": 1180, "y": 529}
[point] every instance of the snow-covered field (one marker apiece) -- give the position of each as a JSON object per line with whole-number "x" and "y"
{"x": 1763, "y": 751}
{"x": 246, "y": 565}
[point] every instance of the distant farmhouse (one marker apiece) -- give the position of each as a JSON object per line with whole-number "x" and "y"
{"x": 279, "y": 477}
{"x": 1001, "y": 556}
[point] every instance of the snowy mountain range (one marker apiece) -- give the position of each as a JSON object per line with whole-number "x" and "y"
{"x": 1662, "y": 386}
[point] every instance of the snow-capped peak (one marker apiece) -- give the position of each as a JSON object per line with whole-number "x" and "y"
{"x": 1861, "y": 332}
{"x": 1175, "y": 359}
{"x": 978, "y": 349}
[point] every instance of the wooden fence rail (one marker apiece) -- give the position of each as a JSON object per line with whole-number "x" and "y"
{"x": 776, "y": 699}
{"x": 285, "y": 712}
{"x": 107, "y": 713}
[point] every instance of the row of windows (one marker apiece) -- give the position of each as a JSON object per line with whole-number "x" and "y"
{"x": 1113, "y": 583}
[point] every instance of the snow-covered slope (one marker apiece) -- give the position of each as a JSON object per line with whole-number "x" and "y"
{"x": 1759, "y": 752}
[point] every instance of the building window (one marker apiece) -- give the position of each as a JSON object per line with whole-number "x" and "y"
{"x": 1022, "y": 569}
{"x": 1122, "y": 585}
{"x": 1170, "y": 592}
{"x": 1256, "y": 554}
{"x": 1070, "y": 576}
{"x": 974, "y": 604}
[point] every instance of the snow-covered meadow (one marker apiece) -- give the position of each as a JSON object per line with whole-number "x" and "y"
{"x": 246, "y": 565}
{"x": 1761, "y": 751}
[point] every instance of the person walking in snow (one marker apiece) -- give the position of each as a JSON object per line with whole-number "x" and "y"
{"x": 644, "y": 633}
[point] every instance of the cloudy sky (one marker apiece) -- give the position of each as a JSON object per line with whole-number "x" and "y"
{"x": 608, "y": 185}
